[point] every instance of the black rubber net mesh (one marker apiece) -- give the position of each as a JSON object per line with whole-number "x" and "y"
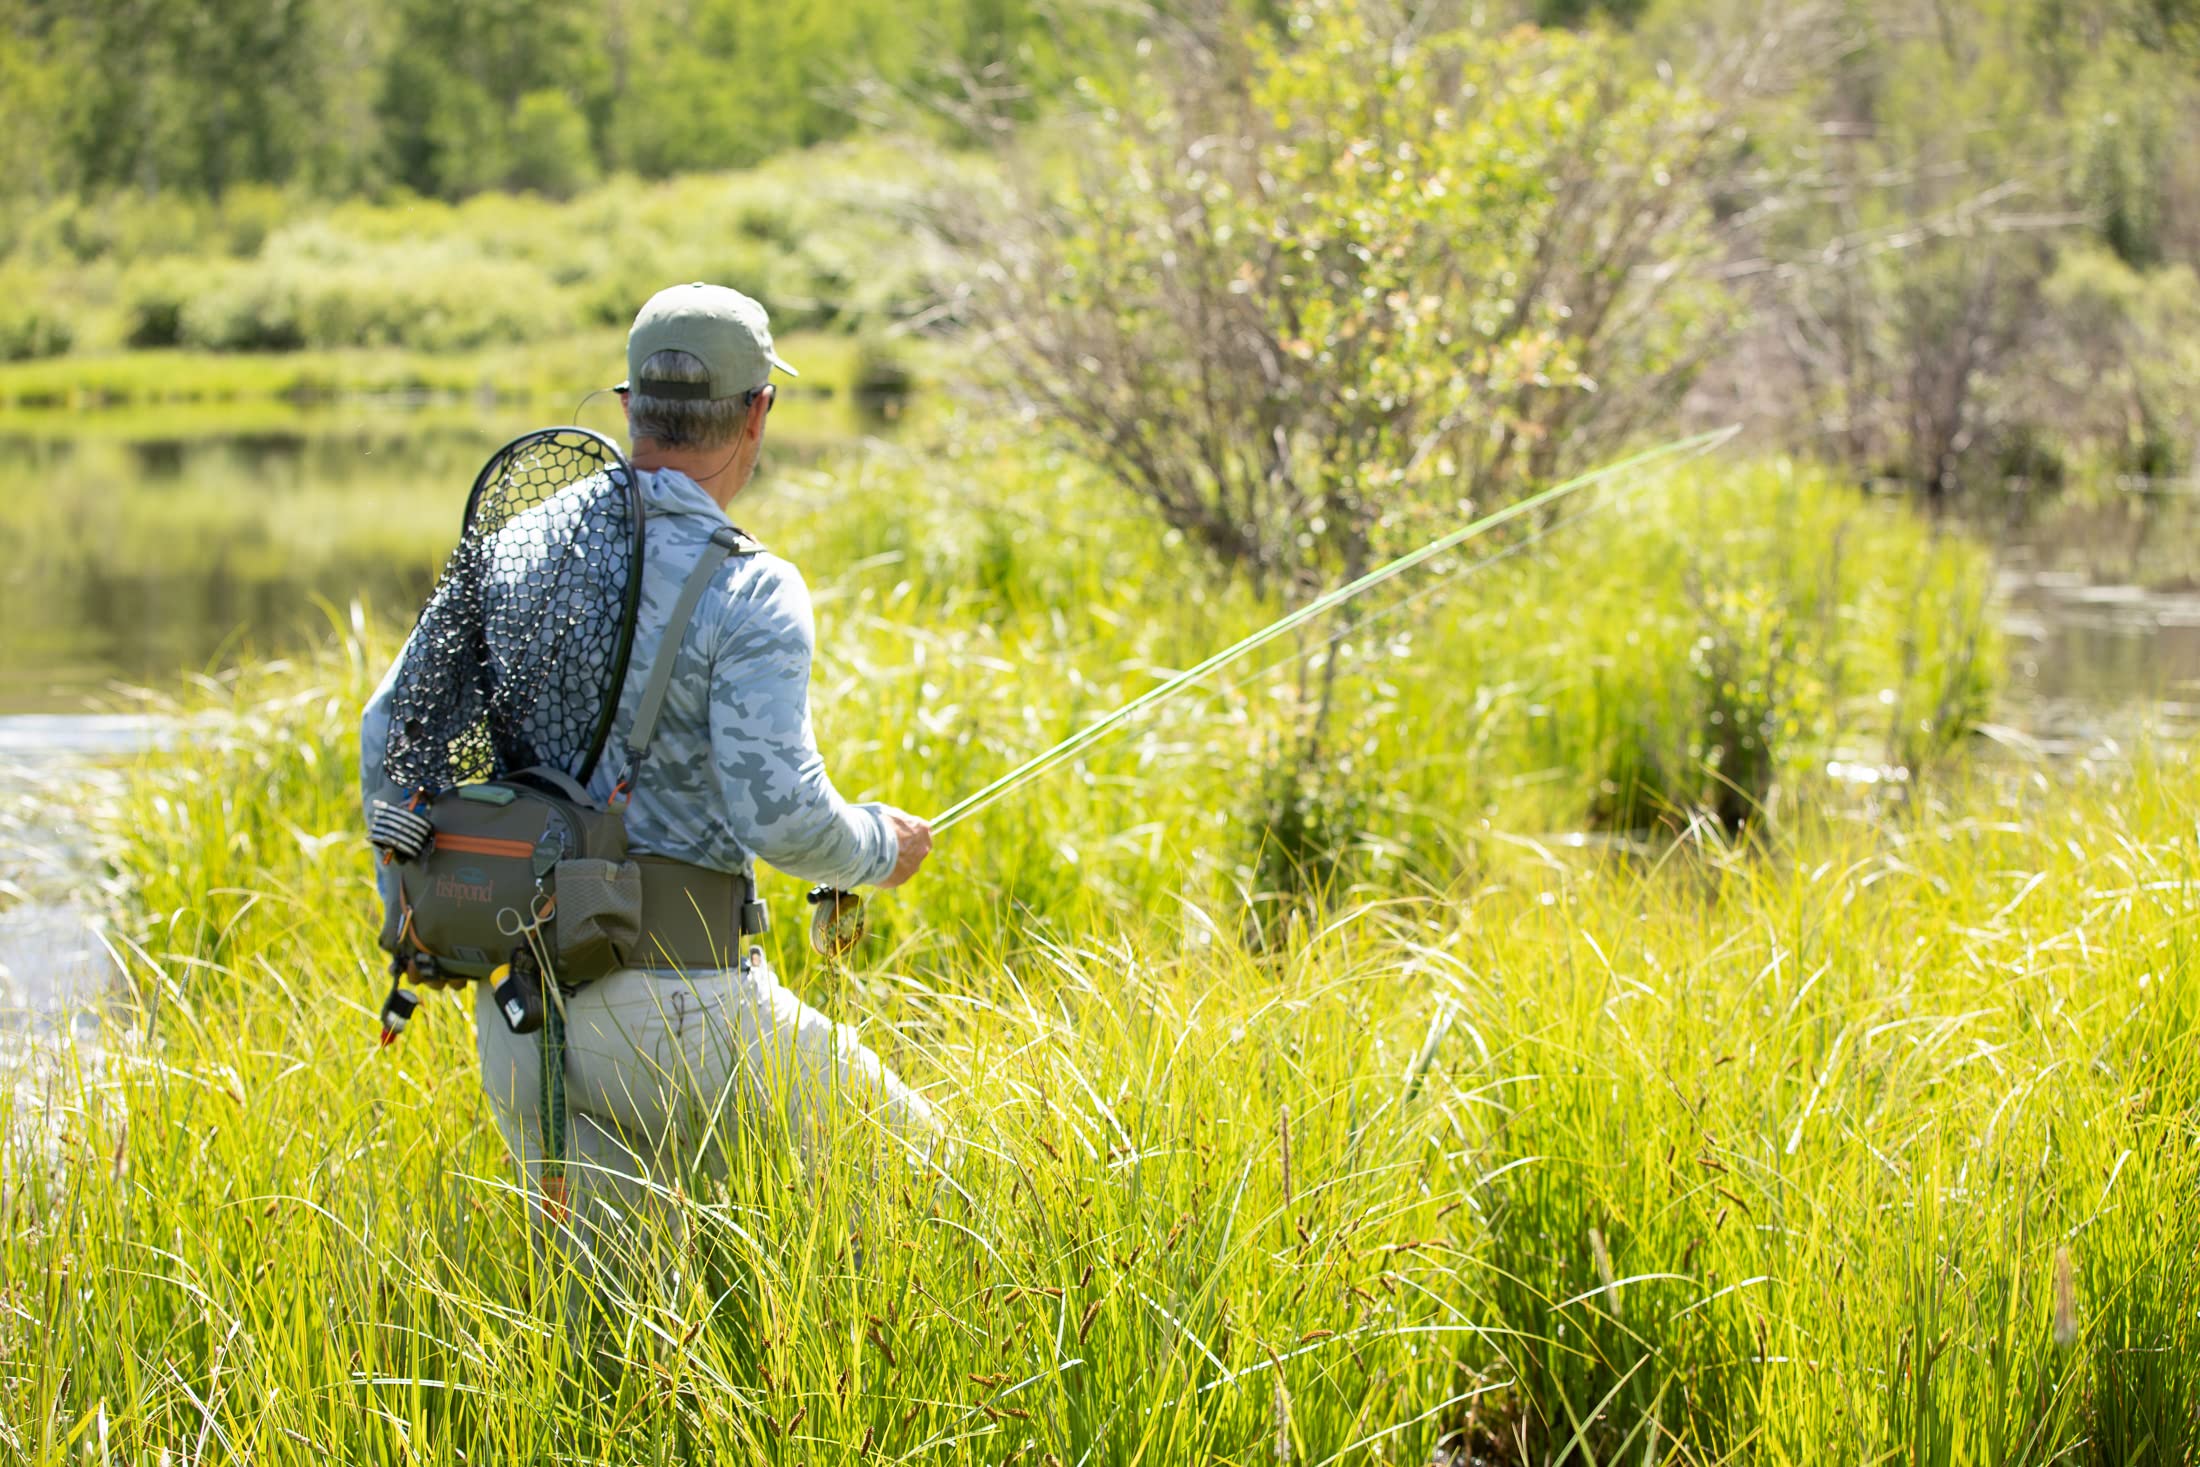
{"x": 518, "y": 656}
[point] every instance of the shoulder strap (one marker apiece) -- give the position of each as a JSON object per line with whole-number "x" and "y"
{"x": 556, "y": 780}
{"x": 724, "y": 545}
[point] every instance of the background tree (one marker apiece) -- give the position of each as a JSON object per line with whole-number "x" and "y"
{"x": 1335, "y": 281}
{"x": 452, "y": 90}
{"x": 1909, "y": 197}
{"x": 1328, "y": 285}
{"x": 341, "y": 96}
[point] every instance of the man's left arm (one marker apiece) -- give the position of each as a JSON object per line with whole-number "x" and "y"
{"x": 374, "y": 741}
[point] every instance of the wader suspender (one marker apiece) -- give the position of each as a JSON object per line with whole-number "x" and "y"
{"x": 724, "y": 545}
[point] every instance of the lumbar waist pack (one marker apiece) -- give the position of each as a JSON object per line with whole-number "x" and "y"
{"x": 525, "y": 861}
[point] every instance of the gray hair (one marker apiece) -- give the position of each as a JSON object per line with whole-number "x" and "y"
{"x": 683, "y": 422}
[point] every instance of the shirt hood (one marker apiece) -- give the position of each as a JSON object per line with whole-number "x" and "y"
{"x": 668, "y": 491}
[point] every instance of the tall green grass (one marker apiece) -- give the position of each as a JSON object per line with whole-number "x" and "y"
{"x": 1774, "y": 1147}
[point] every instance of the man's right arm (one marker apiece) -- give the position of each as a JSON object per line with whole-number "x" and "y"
{"x": 771, "y": 777}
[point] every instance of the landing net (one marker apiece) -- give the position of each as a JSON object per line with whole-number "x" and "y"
{"x": 519, "y": 655}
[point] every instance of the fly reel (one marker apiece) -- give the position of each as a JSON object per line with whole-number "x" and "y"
{"x": 836, "y": 921}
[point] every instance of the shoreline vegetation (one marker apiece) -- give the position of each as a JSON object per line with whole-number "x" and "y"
{"x": 120, "y": 388}
{"x": 267, "y": 296}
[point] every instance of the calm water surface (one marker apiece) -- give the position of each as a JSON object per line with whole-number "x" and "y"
{"x": 2101, "y": 607}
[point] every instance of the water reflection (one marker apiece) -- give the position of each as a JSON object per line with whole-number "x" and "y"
{"x": 136, "y": 558}
{"x": 2102, "y": 613}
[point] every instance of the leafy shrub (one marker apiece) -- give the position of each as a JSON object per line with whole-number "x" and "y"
{"x": 1303, "y": 823}
{"x": 883, "y": 378}
{"x": 2025, "y": 454}
{"x": 1316, "y": 290}
{"x": 31, "y": 325}
{"x": 245, "y": 309}
{"x": 622, "y": 278}
{"x": 2120, "y": 369}
{"x": 456, "y": 308}
{"x": 154, "y": 301}
{"x": 292, "y": 304}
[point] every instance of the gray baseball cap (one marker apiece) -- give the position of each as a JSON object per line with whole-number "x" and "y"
{"x": 724, "y": 329}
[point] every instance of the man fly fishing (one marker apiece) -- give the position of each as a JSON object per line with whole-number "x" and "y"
{"x": 618, "y": 951}
{"x": 599, "y": 904}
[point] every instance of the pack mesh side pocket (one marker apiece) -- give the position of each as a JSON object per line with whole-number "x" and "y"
{"x": 599, "y": 916}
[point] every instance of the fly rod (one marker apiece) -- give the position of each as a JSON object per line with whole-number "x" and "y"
{"x": 1040, "y": 764}
{"x": 837, "y": 922}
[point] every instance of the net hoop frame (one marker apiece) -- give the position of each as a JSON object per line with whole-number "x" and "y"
{"x": 623, "y": 649}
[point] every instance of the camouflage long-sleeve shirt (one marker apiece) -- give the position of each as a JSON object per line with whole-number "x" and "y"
{"x": 734, "y": 773}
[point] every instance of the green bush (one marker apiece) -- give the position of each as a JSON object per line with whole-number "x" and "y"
{"x": 882, "y": 374}
{"x": 31, "y": 325}
{"x": 1345, "y": 279}
{"x": 456, "y": 306}
{"x": 244, "y": 309}
{"x": 2120, "y": 368}
{"x": 154, "y": 301}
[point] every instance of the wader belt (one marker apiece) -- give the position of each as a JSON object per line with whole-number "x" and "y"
{"x": 693, "y": 918}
